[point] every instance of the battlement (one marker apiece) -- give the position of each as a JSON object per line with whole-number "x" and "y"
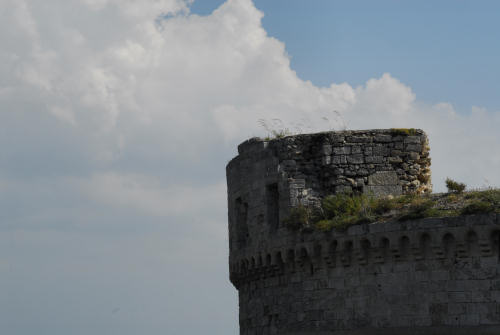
{"x": 427, "y": 276}
{"x": 447, "y": 238}
{"x": 430, "y": 276}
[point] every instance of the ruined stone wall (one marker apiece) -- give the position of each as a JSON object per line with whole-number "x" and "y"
{"x": 314, "y": 165}
{"x": 431, "y": 274}
{"x": 267, "y": 178}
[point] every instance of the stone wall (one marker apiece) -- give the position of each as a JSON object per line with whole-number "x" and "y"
{"x": 431, "y": 274}
{"x": 314, "y": 165}
{"x": 267, "y": 178}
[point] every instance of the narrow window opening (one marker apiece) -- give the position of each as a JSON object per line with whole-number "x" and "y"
{"x": 365, "y": 250}
{"x": 404, "y": 247}
{"x": 241, "y": 223}
{"x": 472, "y": 245}
{"x": 273, "y": 213}
{"x": 384, "y": 246}
{"x": 425, "y": 246}
{"x": 498, "y": 247}
{"x": 495, "y": 237}
{"x": 449, "y": 246}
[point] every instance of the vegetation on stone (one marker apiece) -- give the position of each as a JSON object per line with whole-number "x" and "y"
{"x": 341, "y": 204}
{"x": 478, "y": 206}
{"x": 454, "y": 186}
{"x": 275, "y": 129}
{"x": 342, "y": 210}
{"x": 420, "y": 207}
{"x": 299, "y": 217}
{"x": 404, "y": 131}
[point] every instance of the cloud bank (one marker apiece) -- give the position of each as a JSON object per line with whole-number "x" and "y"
{"x": 117, "y": 120}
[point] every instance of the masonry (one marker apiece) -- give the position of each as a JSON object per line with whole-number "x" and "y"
{"x": 427, "y": 276}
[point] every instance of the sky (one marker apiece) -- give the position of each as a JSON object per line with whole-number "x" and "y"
{"x": 118, "y": 117}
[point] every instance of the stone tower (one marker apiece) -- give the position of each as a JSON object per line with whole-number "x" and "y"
{"x": 428, "y": 276}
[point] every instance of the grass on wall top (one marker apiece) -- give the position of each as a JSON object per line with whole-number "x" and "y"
{"x": 340, "y": 211}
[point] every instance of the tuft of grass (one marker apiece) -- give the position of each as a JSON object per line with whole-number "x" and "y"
{"x": 478, "y": 207}
{"x": 491, "y": 195}
{"x": 341, "y": 204}
{"x": 324, "y": 225}
{"x": 299, "y": 217}
{"x": 343, "y": 222}
{"x": 420, "y": 207}
{"x": 383, "y": 205}
{"x": 341, "y": 211}
{"x": 454, "y": 186}
{"x": 275, "y": 128}
{"x": 406, "y": 199}
{"x": 485, "y": 201}
{"x": 403, "y": 131}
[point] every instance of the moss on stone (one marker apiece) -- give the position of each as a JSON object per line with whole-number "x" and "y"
{"x": 403, "y": 131}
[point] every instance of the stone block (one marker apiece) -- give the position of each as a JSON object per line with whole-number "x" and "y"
{"x": 383, "y": 138}
{"x": 438, "y": 275}
{"x": 412, "y": 139}
{"x": 415, "y": 156}
{"x": 356, "y": 150}
{"x": 414, "y": 147}
{"x": 330, "y": 314}
{"x": 326, "y": 149}
{"x": 381, "y": 191}
{"x": 374, "y": 159}
{"x": 380, "y": 150}
{"x": 459, "y": 296}
{"x": 469, "y": 319}
{"x": 345, "y": 150}
{"x": 355, "y": 159}
{"x": 383, "y": 178}
{"x": 394, "y": 160}
{"x": 398, "y": 145}
{"x": 359, "y": 139}
{"x": 457, "y": 308}
{"x": 309, "y": 285}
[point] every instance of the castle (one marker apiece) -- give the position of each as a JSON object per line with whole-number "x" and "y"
{"x": 426, "y": 276}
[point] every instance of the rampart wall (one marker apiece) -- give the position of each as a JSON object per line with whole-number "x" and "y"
{"x": 431, "y": 276}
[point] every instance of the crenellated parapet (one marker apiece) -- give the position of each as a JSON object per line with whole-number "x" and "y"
{"x": 449, "y": 239}
{"x": 426, "y": 276}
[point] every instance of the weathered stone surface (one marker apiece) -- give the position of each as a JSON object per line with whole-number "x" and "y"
{"x": 427, "y": 276}
{"x": 355, "y": 283}
{"x": 342, "y": 150}
{"x": 327, "y": 149}
{"x": 355, "y": 159}
{"x": 383, "y": 190}
{"x": 395, "y": 160}
{"x": 383, "y": 178}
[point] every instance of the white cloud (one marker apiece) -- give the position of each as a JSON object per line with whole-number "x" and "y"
{"x": 149, "y": 196}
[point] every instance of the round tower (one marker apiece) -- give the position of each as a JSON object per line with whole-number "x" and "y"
{"x": 426, "y": 276}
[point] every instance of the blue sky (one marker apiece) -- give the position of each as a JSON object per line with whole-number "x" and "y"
{"x": 118, "y": 117}
{"x": 444, "y": 50}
